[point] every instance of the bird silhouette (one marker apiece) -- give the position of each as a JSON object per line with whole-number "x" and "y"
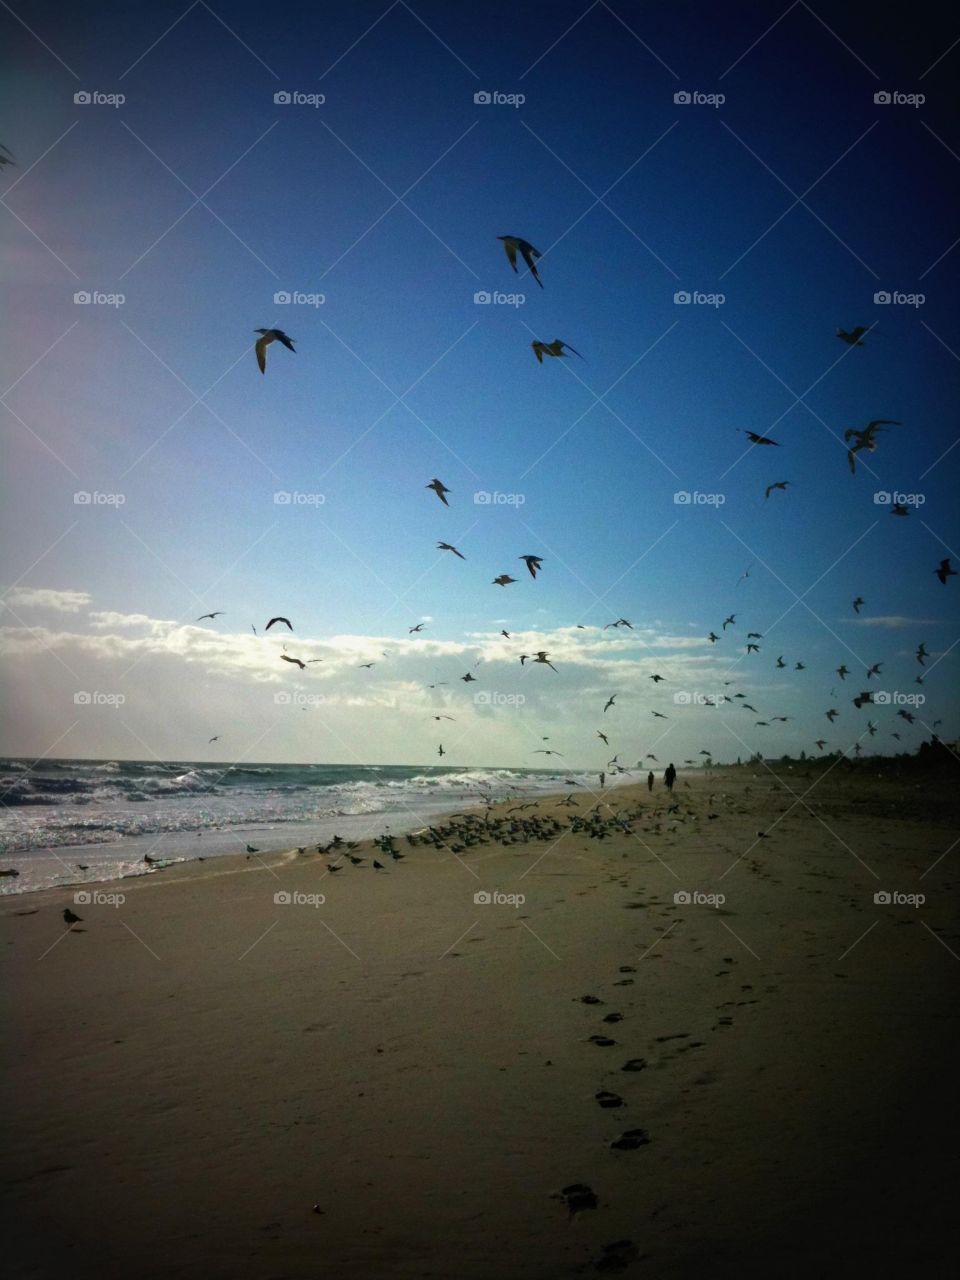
{"x": 514, "y": 245}
{"x": 268, "y": 336}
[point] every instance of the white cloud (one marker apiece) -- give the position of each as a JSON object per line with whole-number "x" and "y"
{"x": 47, "y": 598}
{"x": 891, "y": 622}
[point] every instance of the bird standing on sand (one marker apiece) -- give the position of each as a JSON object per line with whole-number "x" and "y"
{"x": 554, "y": 348}
{"x": 440, "y": 489}
{"x": 268, "y": 336}
{"x": 514, "y": 245}
{"x": 70, "y": 918}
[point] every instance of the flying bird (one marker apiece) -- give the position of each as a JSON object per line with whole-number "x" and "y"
{"x": 753, "y": 648}
{"x": 728, "y": 622}
{"x": 610, "y": 701}
{"x": 544, "y": 657}
{"x": 821, "y": 743}
{"x": 754, "y": 635}
{"x": 285, "y": 621}
{"x": 215, "y": 614}
{"x": 514, "y": 245}
{"x": 780, "y": 661}
{"x": 660, "y": 715}
{"x": 898, "y": 509}
{"x": 858, "y": 604}
{"x": 798, "y": 666}
{"x": 853, "y": 338}
{"x": 504, "y": 580}
{"x": 603, "y": 738}
{"x": 843, "y": 671}
{"x": 656, "y": 679}
{"x": 418, "y": 627}
{"x": 779, "y": 484}
{"x": 215, "y": 738}
{"x": 440, "y": 489}
{"x": 533, "y": 563}
{"x": 906, "y": 715}
{"x": 440, "y": 750}
{"x": 874, "y": 670}
{"x": 866, "y": 439}
{"x": 286, "y": 658}
{"x": 921, "y": 654}
{"x": 468, "y": 678}
{"x": 832, "y": 714}
{"x": 365, "y": 665}
{"x": 945, "y": 572}
{"x": 446, "y": 546}
{"x": 554, "y": 348}
{"x": 713, "y": 638}
{"x": 505, "y": 633}
{"x": 755, "y": 439}
{"x": 268, "y": 336}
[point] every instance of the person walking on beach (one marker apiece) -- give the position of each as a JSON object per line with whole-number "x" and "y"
{"x": 650, "y": 780}
{"x": 603, "y": 780}
{"x": 670, "y": 776}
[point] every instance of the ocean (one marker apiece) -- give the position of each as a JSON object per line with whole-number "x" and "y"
{"x": 106, "y": 815}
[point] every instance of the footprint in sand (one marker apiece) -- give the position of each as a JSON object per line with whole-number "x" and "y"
{"x": 678, "y": 1035}
{"x": 627, "y": 968}
{"x": 634, "y": 1064}
{"x": 631, "y": 1139}
{"x": 589, "y": 999}
{"x": 617, "y": 1257}
{"x": 614, "y": 1017}
{"x": 624, "y": 982}
{"x": 607, "y": 1100}
{"x": 577, "y": 1197}
{"x": 602, "y": 1042}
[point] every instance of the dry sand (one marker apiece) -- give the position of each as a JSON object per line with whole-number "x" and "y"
{"x": 189, "y": 1073}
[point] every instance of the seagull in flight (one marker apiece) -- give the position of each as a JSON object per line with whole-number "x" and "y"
{"x": 268, "y": 336}
{"x": 713, "y": 637}
{"x": 780, "y": 661}
{"x": 944, "y": 572}
{"x": 440, "y": 750}
{"x": 921, "y": 654}
{"x": 302, "y": 665}
{"x": 440, "y": 489}
{"x": 504, "y": 580}
{"x": 361, "y": 666}
{"x": 745, "y": 574}
{"x": 874, "y": 670}
{"x": 866, "y": 439}
{"x": 286, "y": 621}
{"x": 753, "y": 648}
{"x": 542, "y": 751}
{"x": 446, "y": 546}
{"x": 779, "y": 484}
{"x": 554, "y": 348}
{"x": 215, "y": 738}
{"x": 832, "y": 714}
{"x": 728, "y": 622}
{"x": 660, "y": 715}
{"x": 603, "y": 738}
{"x": 514, "y": 245}
{"x": 853, "y": 338}
{"x": 858, "y": 604}
{"x": 418, "y": 627}
{"x": 533, "y": 563}
{"x": 843, "y": 671}
{"x": 798, "y": 666}
{"x": 755, "y": 439}
{"x": 821, "y": 743}
{"x": 657, "y": 679}
{"x": 899, "y": 509}
{"x": 610, "y": 701}
{"x": 544, "y": 657}
{"x": 506, "y": 634}
{"x": 468, "y": 678}
{"x": 216, "y": 614}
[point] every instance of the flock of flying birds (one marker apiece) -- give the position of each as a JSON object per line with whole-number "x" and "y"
{"x": 858, "y": 440}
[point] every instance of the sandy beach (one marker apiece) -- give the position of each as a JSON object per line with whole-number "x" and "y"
{"x": 402, "y": 1080}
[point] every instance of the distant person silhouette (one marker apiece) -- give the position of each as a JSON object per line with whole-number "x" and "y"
{"x": 650, "y": 780}
{"x": 670, "y": 776}
{"x": 603, "y": 780}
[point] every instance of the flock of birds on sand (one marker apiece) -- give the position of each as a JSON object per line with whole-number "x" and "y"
{"x": 858, "y": 441}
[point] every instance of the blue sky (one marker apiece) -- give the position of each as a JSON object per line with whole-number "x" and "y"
{"x": 798, "y": 198}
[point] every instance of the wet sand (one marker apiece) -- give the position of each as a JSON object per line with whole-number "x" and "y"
{"x": 191, "y": 1072}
